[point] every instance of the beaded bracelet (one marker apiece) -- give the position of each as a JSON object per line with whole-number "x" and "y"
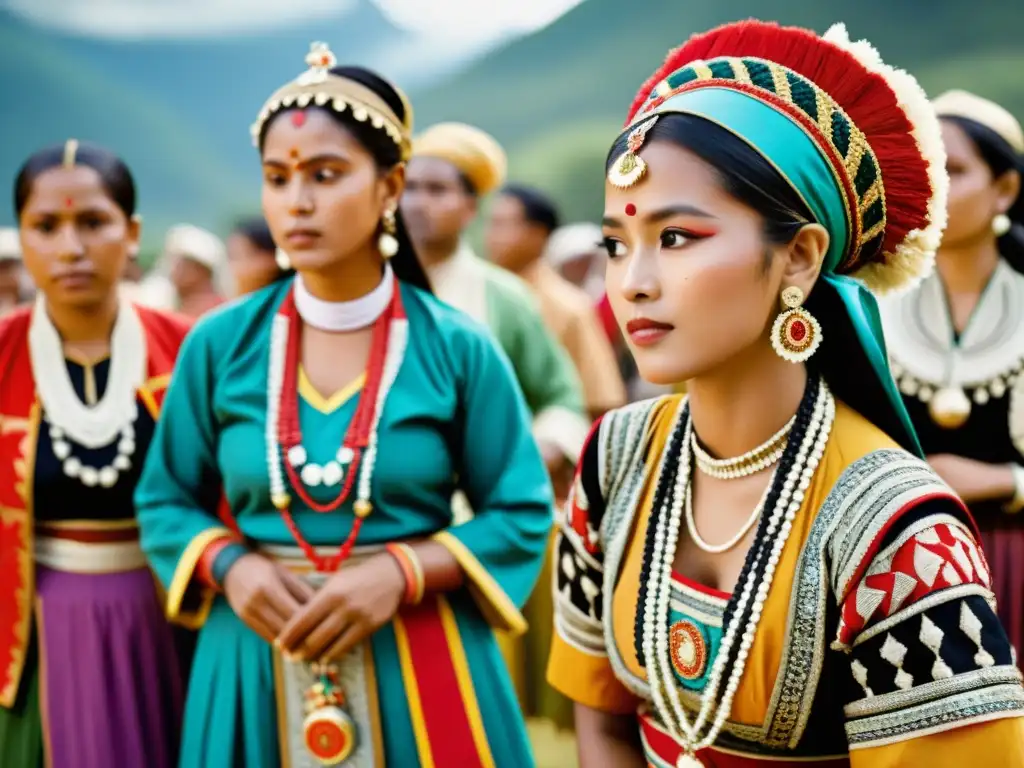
{"x": 413, "y": 570}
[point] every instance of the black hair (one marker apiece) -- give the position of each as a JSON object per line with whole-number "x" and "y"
{"x": 256, "y": 231}
{"x": 114, "y": 174}
{"x": 385, "y": 152}
{"x": 538, "y": 208}
{"x": 749, "y": 178}
{"x": 468, "y": 187}
{"x": 1001, "y": 158}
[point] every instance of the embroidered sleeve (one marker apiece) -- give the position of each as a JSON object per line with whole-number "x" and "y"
{"x": 579, "y": 665}
{"x": 927, "y": 653}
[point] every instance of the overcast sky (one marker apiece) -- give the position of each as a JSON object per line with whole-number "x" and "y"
{"x": 451, "y": 20}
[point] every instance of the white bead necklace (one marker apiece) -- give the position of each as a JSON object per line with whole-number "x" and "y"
{"x": 717, "y": 549}
{"x": 757, "y": 459}
{"x": 336, "y": 317}
{"x": 397, "y": 342}
{"x": 656, "y": 605}
{"x": 70, "y": 419}
{"x": 341, "y": 316}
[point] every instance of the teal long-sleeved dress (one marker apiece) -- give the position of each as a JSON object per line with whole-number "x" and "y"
{"x": 454, "y": 411}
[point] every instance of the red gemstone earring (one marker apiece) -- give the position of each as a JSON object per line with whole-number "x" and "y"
{"x": 796, "y": 334}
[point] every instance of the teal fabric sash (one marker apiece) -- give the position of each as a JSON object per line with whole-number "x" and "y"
{"x": 787, "y": 146}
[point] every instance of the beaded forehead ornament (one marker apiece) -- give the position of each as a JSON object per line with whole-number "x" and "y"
{"x": 318, "y": 87}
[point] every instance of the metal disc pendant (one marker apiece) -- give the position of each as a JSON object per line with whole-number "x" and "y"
{"x": 949, "y": 407}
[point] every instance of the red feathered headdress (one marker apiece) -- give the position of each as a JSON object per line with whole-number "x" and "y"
{"x": 874, "y": 124}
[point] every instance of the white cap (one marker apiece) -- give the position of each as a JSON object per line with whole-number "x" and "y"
{"x": 199, "y": 245}
{"x": 10, "y": 244}
{"x": 572, "y": 241}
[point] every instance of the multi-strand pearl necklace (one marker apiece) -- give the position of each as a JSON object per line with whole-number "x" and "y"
{"x": 386, "y": 355}
{"x": 753, "y": 461}
{"x": 92, "y": 427}
{"x": 664, "y": 689}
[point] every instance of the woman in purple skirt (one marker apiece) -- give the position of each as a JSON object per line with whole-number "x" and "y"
{"x": 89, "y": 672}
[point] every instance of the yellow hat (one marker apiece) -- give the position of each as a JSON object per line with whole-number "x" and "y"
{"x": 984, "y": 112}
{"x": 476, "y": 154}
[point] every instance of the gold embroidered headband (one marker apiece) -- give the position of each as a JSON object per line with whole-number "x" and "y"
{"x": 317, "y": 86}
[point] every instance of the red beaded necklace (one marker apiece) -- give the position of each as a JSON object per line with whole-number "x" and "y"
{"x": 357, "y": 439}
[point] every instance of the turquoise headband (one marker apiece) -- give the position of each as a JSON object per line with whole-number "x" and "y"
{"x": 788, "y": 147}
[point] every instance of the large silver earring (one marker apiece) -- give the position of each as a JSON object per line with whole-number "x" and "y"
{"x": 283, "y": 262}
{"x": 387, "y": 243}
{"x": 796, "y": 333}
{"x": 1001, "y": 224}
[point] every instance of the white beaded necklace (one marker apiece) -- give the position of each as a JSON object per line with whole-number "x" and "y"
{"x": 767, "y": 454}
{"x": 397, "y": 342}
{"x": 717, "y": 549}
{"x": 92, "y": 427}
{"x": 340, "y": 316}
{"x": 656, "y": 606}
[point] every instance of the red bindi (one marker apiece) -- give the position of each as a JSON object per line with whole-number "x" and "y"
{"x": 298, "y": 118}
{"x": 69, "y": 203}
{"x": 630, "y": 209}
{"x": 293, "y": 153}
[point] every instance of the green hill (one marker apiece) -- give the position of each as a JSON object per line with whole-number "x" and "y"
{"x": 556, "y": 99}
{"x": 174, "y": 159}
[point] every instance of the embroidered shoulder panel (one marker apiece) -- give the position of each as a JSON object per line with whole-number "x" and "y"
{"x": 940, "y": 663}
{"x": 869, "y": 495}
{"x": 890, "y": 482}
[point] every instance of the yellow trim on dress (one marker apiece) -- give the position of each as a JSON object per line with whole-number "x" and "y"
{"x": 330, "y": 404}
{"x": 412, "y": 692}
{"x": 465, "y": 682}
{"x": 495, "y": 605}
{"x": 182, "y": 579}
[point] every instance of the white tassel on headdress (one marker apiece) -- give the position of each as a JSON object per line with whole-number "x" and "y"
{"x": 914, "y": 258}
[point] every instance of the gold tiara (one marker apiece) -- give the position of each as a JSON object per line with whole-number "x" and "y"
{"x": 317, "y": 86}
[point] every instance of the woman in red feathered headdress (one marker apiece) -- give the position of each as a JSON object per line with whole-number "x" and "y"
{"x": 767, "y": 569}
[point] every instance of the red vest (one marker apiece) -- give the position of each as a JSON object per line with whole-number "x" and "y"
{"x": 19, "y": 427}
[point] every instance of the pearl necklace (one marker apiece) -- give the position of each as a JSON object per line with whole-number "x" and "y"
{"x": 70, "y": 419}
{"x": 656, "y": 605}
{"x": 717, "y": 549}
{"x": 340, "y": 316}
{"x": 753, "y": 461}
{"x": 397, "y": 342}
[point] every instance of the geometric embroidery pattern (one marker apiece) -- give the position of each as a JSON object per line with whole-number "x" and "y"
{"x": 943, "y": 555}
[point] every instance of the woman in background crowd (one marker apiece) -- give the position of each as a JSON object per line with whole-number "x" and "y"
{"x": 957, "y": 340}
{"x": 89, "y": 674}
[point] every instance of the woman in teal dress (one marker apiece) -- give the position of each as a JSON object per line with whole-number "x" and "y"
{"x": 343, "y": 619}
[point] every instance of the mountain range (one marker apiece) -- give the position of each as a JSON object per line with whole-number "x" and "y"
{"x": 179, "y": 111}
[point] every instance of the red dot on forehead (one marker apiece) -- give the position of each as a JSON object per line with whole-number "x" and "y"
{"x": 298, "y": 118}
{"x": 68, "y": 202}
{"x": 630, "y": 209}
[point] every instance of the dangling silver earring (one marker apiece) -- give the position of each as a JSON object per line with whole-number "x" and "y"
{"x": 1001, "y": 224}
{"x": 283, "y": 262}
{"x": 387, "y": 243}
